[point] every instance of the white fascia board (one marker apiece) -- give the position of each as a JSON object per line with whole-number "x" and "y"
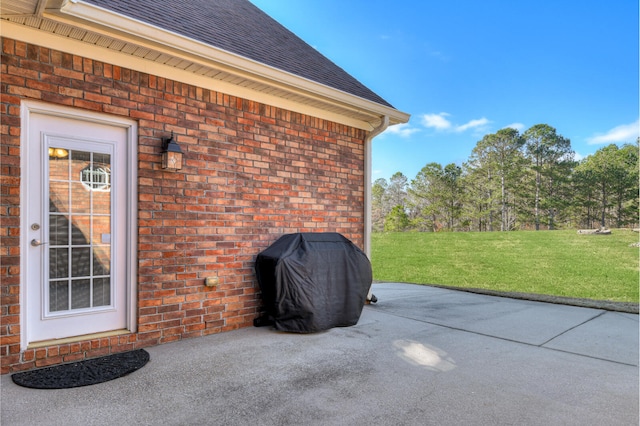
{"x": 102, "y": 54}
{"x": 180, "y": 45}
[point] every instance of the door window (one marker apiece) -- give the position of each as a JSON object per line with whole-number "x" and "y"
{"x": 79, "y": 230}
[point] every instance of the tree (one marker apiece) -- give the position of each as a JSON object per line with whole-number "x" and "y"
{"x": 397, "y": 189}
{"x": 626, "y": 188}
{"x": 498, "y": 159}
{"x": 437, "y": 195}
{"x": 551, "y": 158}
{"x": 379, "y": 204}
{"x": 397, "y": 220}
{"x": 425, "y": 199}
{"x": 478, "y": 184}
{"x": 385, "y": 196}
{"x": 584, "y": 183}
{"x": 451, "y": 194}
{"x": 512, "y": 181}
{"x": 614, "y": 172}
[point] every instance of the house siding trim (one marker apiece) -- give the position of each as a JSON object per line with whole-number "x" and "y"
{"x": 304, "y": 96}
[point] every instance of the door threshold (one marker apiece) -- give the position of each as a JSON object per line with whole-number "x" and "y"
{"x": 74, "y": 339}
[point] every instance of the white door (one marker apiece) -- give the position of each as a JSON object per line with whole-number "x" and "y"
{"x": 77, "y": 279}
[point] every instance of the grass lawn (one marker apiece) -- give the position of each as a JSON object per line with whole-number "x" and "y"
{"x": 558, "y": 263}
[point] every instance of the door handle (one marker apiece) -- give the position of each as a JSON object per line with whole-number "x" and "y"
{"x": 36, "y": 243}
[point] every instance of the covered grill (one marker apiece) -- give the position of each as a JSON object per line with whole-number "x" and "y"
{"x": 312, "y": 282}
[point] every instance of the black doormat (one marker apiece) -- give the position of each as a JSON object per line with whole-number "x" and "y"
{"x": 83, "y": 373}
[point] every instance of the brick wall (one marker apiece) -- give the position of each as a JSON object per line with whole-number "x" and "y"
{"x": 252, "y": 173}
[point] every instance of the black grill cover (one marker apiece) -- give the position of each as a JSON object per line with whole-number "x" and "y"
{"x": 313, "y": 281}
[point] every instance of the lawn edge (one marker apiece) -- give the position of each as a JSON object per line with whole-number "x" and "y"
{"x": 607, "y": 305}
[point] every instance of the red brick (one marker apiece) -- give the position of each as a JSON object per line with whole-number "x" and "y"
{"x": 252, "y": 172}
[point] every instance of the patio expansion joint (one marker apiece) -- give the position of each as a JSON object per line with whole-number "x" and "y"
{"x": 537, "y": 345}
{"x": 574, "y": 327}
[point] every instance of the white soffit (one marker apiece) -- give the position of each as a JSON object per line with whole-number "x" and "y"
{"x": 99, "y": 34}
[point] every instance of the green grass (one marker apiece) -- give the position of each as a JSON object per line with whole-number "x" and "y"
{"x": 558, "y": 263}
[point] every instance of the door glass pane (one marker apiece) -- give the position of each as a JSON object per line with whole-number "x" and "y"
{"x": 96, "y": 174}
{"x": 79, "y": 160}
{"x": 101, "y": 292}
{"x": 80, "y": 294}
{"x": 58, "y": 230}
{"x": 58, "y": 296}
{"x": 59, "y": 197}
{"x": 101, "y": 201}
{"x": 80, "y": 198}
{"x": 58, "y": 164}
{"x": 79, "y": 231}
{"x": 81, "y": 262}
{"x": 58, "y": 262}
{"x": 101, "y": 159}
{"x": 102, "y": 230}
{"x": 101, "y": 260}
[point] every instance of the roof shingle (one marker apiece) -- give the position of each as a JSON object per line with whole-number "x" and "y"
{"x": 239, "y": 27}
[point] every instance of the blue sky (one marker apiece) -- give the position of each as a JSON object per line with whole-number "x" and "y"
{"x": 466, "y": 68}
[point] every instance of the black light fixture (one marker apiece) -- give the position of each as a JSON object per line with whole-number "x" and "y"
{"x": 171, "y": 154}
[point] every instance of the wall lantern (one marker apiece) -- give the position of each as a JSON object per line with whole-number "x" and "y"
{"x": 171, "y": 154}
{"x": 58, "y": 153}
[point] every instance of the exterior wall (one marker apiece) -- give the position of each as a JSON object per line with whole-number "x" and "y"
{"x": 252, "y": 173}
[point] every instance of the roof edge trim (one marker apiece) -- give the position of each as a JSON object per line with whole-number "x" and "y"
{"x": 53, "y": 41}
{"x": 83, "y": 11}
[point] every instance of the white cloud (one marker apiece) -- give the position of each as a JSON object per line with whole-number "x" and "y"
{"x": 473, "y": 124}
{"x": 436, "y": 121}
{"x": 403, "y": 130}
{"x": 578, "y": 157}
{"x": 440, "y": 122}
{"x": 624, "y": 133}
{"x": 518, "y": 126}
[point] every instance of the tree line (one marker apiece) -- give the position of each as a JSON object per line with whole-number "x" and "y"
{"x": 515, "y": 181}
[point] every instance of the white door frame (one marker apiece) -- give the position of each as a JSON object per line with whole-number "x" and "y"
{"x": 27, "y": 108}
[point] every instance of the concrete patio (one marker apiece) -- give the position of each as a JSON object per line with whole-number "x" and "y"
{"x": 420, "y": 356}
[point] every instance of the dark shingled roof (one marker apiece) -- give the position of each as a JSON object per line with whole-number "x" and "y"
{"x": 239, "y": 27}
